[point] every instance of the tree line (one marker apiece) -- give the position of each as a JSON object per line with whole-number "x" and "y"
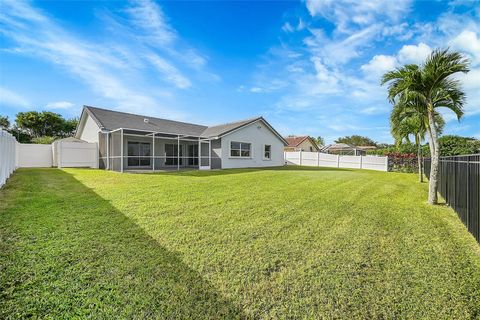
{"x": 39, "y": 127}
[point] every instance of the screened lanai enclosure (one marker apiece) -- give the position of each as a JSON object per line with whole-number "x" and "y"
{"x": 136, "y": 150}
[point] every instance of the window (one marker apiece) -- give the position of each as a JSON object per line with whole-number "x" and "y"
{"x": 267, "y": 152}
{"x": 240, "y": 149}
{"x": 138, "y": 154}
{"x": 172, "y": 155}
{"x": 193, "y": 155}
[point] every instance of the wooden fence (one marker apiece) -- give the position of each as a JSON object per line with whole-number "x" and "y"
{"x": 459, "y": 185}
{"x": 319, "y": 159}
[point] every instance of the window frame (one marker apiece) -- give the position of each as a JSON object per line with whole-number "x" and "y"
{"x": 269, "y": 152}
{"x": 241, "y": 149}
{"x": 171, "y": 160}
{"x": 139, "y": 157}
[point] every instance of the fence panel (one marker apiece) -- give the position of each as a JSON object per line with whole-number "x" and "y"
{"x": 32, "y": 155}
{"x": 8, "y": 154}
{"x": 77, "y": 154}
{"x": 459, "y": 185}
{"x": 319, "y": 159}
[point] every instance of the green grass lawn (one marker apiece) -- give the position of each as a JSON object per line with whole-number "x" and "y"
{"x": 280, "y": 243}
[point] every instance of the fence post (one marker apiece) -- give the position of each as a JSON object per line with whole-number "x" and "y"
{"x": 300, "y": 156}
{"x": 361, "y": 161}
{"x": 338, "y": 161}
{"x": 59, "y": 154}
{"x": 318, "y": 158}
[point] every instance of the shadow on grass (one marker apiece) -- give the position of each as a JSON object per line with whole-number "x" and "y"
{"x": 221, "y": 172}
{"x": 67, "y": 252}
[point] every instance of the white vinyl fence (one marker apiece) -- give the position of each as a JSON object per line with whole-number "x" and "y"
{"x": 319, "y": 159}
{"x": 8, "y": 153}
{"x": 31, "y": 155}
{"x": 75, "y": 154}
{"x": 62, "y": 154}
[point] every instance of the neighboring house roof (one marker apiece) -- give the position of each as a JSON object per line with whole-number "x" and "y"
{"x": 337, "y": 146}
{"x": 347, "y": 146}
{"x": 294, "y": 142}
{"x": 111, "y": 120}
{"x": 367, "y": 147}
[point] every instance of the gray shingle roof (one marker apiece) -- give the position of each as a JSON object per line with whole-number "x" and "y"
{"x": 222, "y": 129}
{"x": 112, "y": 120}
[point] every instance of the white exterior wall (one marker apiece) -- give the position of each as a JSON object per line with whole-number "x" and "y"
{"x": 34, "y": 155}
{"x": 258, "y": 134}
{"x": 306, "y": 145}
{"x": 89, "y": 131}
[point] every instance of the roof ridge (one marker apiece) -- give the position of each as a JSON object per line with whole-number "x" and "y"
{"x": 233, "y": 122}
{"x": 141, "y": 115}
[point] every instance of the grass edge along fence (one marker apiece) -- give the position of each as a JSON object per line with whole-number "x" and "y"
{"x": 8, "y": 150}
{"x": 459, "y": 185}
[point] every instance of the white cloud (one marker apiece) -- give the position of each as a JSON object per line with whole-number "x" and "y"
{"x": 378, "y": 66}
{"x": 469, "y": 42}
{"x": 374, "y": 110}
{"x": 341, "y": 51}
{"x": 148, "y": 16}
{"x": 287, "y": 27}
{"x": 347, "y": 14}
{"x": 414, "y": 53}
{"x": 60, "y": 105}
{"x": 12, "y": 99}
{"x": 115, "y": 70}
{"x": 169, "y": 71}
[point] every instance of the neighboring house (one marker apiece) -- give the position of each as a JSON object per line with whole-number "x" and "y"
{"x": 343, "y": 149}
{"x": 302, "y": 143}
{"x": 134, "y": 142}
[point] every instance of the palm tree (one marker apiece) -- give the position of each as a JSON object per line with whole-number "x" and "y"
{"x": 430, "y": 86}
{"x": 406, "y": 119}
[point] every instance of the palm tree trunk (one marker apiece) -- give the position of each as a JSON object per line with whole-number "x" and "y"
{"x": 419, "y": 158}
{"x": 433, "y": 181}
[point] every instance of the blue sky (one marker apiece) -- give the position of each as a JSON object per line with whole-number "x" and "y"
{"x": 309, "y": 67}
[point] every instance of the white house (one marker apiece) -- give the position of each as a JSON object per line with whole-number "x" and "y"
{"x": 135, "y": 142}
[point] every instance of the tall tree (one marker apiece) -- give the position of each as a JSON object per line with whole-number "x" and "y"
{"x": 320, "y": 141}
{"x": 45, "y": 123}
{"x": 356, "y": 140}
{"x": 430, "y": 86}
{"x": 4, "y": 122}
{"x": 407, "y": 119}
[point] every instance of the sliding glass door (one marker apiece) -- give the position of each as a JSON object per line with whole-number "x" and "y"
{"x": 173, "y": 157}
{"x": 139, "y": 154}
{"x": 193, "y": 155}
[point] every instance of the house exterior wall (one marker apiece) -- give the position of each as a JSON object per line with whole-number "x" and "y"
{"x": 259, "y": 135}
{"x": 159, "y": 151}
{"x": 89, "y": 131}
{"x": 216, "y": 146}
{"x": 307, "y": 145}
